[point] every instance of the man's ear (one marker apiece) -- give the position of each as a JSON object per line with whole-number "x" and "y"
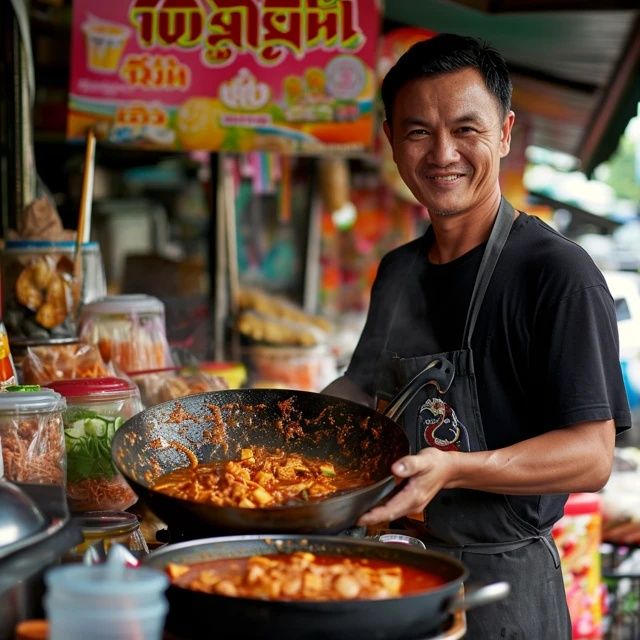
{"x": 505, "y": 134}
{"x": 387, "y": 132}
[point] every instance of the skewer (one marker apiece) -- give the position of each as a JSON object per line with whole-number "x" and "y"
{"x": 86, "y": 198}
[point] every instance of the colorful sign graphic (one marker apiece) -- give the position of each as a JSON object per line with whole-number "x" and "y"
{"x": 233, "y": 75}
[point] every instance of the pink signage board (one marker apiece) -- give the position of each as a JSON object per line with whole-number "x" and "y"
{"x": 295, "y": 76}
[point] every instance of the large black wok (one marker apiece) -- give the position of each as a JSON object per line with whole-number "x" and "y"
{"x": 216, "y": 425}
{"x": 194, "y": 614}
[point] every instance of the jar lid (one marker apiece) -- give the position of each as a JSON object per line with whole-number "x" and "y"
{"x": 67, "y": 245}
{"x": 582, "y": 503}
{"x": 124, "y": 303}
{"x": 30, "y": 399}
{"x": 104, "y": 522}
{"x": 92, "y": 387}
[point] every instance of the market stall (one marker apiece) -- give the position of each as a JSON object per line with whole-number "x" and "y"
{"x": 112, "y": 378}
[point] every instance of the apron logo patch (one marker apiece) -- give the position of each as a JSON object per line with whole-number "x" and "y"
{"x": 441, "y": 427}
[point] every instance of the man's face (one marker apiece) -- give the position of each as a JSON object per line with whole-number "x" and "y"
{"x": 447, "y": 136}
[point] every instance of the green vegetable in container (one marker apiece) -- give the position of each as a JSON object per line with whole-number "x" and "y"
{"x": 88, "y": 438}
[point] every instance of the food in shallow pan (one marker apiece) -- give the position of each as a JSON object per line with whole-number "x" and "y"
{"x": 261, "y": 477}
{"x": 303, "y": 576}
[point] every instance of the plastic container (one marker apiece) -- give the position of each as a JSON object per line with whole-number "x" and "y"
{"x": 32, "y": 440}
{"x": 104, "y": 602}
{"x": 302, "y": 368}
{"x": 109, "y": 527}
{"x": 43, "y": 292}
{"x": 96, "y": 408}
{"x": 160, "y": 385}
{"x": 235, "y": 373}
{"x": 129, "y": 330}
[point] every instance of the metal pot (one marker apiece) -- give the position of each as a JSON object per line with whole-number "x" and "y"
{"x": 49, "y": 533}
{"x": 191, "y": 613}
{"x": 216, "y": 425}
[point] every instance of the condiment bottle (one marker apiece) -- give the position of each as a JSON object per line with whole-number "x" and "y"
{"x": 96, "y": 408}
{"x": 129, "y": 329}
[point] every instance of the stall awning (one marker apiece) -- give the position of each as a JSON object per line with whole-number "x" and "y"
{"x": 575, "y": 65}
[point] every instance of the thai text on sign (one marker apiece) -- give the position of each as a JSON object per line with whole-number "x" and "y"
{"x": 288, "y": 75}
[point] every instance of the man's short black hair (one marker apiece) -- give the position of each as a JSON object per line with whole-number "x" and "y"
{"x": 446, "y": 53}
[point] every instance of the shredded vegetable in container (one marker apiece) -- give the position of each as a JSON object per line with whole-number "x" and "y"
{"x": 31, "y": 435}
{"x": 96, "y": 408}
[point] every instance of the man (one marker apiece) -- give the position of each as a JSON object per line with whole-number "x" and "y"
{"x": 523, "y": 319}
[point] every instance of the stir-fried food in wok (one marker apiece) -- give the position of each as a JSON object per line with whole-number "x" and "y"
{"x": 260, "y": 478}
{"x": 303, "y": 576}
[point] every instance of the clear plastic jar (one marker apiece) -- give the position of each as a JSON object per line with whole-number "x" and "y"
{"x": 43, "y": 291}
{"x": 130, "y": 331}
{"x": 31, "y": 435}
{"x": 109, "y": 527}
{"x": 96, "y": 408}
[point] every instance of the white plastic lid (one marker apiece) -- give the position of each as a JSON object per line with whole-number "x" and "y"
{"x": 31, "y": 401}
{"x": 124, "y": 303}
{"x": 134, "y": 587}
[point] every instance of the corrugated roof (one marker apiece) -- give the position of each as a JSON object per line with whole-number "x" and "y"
{"x": 576, "y": 68}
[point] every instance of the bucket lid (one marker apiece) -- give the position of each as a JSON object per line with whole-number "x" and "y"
{"x": 30, "y": 399}
{"x": 79, "y": 387}
{"x": 124, "y": 303}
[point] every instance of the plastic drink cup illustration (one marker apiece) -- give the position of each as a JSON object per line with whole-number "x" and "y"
{"x": 105, "y": 43}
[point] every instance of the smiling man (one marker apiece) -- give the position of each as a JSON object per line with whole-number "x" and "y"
{"x": 525, "y": 319}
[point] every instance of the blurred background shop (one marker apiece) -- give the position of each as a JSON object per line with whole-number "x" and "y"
{"x": 241, "y": 214}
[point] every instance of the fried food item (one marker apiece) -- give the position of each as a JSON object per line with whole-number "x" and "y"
{"x": 48, "y": 287}
{"x": 278, "y": 307}
{"x": 50, "y": 315}
{"x": 40, "y": 273}
{"x": 27, "y": 293}
{"x": 275, "y": 330}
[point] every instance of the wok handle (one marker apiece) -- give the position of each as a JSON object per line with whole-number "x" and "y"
{"x": 438, "y": 372}
{"x": 482, "y": 595}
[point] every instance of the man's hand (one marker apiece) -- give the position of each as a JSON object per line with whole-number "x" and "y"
{"x": 567, "y": 460}
{"x": 427, "y": 473}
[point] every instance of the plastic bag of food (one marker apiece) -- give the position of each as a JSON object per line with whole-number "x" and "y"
{"x": 44, "y": 364}
{"x": 160, "y": 385}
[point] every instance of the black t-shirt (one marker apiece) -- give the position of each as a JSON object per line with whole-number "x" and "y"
{"x": 545, "y": 343}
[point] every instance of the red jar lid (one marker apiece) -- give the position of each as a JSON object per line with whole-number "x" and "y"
{"x": 582, "y": 504}
{"x": 92, "y": 386}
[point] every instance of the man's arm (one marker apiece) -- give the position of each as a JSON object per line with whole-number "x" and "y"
{"x": 572, "y": 459}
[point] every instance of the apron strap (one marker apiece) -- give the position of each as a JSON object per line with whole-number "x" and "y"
{"x": 497, "y": 240}
{"x": 491, "y": 548}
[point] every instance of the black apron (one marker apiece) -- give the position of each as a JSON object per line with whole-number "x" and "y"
{"x": 479, "y": 528}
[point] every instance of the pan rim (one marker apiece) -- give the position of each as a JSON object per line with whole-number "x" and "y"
{"x": 227, "y": 518}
